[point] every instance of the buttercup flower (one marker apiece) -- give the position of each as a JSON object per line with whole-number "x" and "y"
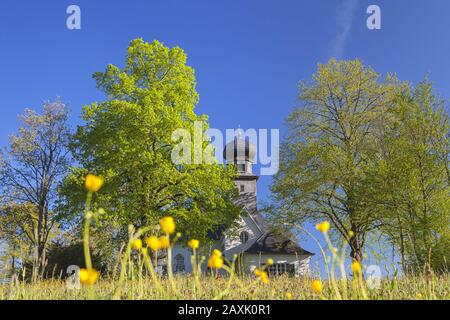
{"x": 270, "y": 262}
{"x": 93, "y": 183}
{"x": 217, "y": 253}
{"x": 152, "y": 243}
{"x": 167, "y": 225}
{"x": 215, "y": 261}
{"x": 288, "y": 296}
{"x": 323, "y": 226}
{"x": 356, "y": 267}
{"x": 317, "y": 286}
{"x": 193, "y": 244}
{"x": 264, "y": 277}
{"x": 89, "y": 276}
{"x": 164, "y": 242}
{"x": 136, "y": 244}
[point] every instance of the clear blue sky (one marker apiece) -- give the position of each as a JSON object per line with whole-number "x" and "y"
{"x": 248, "y": 55}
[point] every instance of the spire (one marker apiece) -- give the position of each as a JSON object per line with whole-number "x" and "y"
{"x": 239, "y": 132}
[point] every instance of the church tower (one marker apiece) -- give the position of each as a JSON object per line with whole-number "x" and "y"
{"x": 241, "y": 153}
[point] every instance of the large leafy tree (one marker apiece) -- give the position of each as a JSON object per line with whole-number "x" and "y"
{"x": 326, "y": 155}
{"x": 127, "y": 139}
{"x": 409, "y": 184}
{"x": 30, "y": 169}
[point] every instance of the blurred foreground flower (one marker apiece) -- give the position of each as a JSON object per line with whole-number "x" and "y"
{"x": 136, "y": 244}
{"x": 152, "y": 243}
{"x": 193, "y": 244}
{"x": 163, "y": 242}
{"x": 93, "y": 183}
{"x": 323, "y": 226}
{"x": 167, "y": 225}
{"x": 262, "y": 275}
{"x": 356, "y": 267}
{"x": 215, "y": 261}
{"x": 89, "y": 276}
{"x": 317, "y": 286}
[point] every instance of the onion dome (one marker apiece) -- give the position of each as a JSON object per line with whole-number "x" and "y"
{"x": 239, "y": 150}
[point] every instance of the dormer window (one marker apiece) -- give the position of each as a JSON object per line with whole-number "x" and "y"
{"x": 244, "y": 237}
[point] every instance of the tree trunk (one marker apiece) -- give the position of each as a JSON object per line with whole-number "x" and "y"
{"x": 356, "y": 245}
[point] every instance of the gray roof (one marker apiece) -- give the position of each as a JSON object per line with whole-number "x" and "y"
{"x": 276, "y": 243}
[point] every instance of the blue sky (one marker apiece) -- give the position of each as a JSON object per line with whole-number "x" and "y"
{"x": 249, "y": 56}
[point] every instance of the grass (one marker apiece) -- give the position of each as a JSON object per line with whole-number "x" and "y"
{"x": 135, "y": 277}
{"x": 402, "y": 288}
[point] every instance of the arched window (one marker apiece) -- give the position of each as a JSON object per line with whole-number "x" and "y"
{"x": 179, "y": 263}
{"x": 244, "y": 237}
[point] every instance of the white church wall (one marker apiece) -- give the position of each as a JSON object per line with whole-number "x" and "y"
{"x": 186, "y": 252}
{"x": 179, "y": 250}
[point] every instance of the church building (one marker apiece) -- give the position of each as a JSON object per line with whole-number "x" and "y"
{"x": 253, "y": 242}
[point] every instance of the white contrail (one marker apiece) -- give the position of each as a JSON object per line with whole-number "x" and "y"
{"x": 344, "y": 18}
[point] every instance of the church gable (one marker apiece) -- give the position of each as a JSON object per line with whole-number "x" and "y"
{"x": 242, "y": 237}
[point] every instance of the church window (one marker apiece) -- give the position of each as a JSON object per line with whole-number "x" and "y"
{"x": 241, "y": 167}
{"x": 278, "y": 269}
{"x": 179, "y": 263}
{"x": 242, "y": 188}
{"x": 244, "y": 237}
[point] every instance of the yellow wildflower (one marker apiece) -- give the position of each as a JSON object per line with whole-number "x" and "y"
{"x": 264, "y": 277}
{"x": 136, "y": 244}
{"x": 217, "y": 253}
{"x": 152, "y": 243}
{"x": 89, "y": 276}
{"x": 167, "y": 225}
{"x": 164, "y": 242}
{"x": 323, "y": 226}
{"x": 93, "y": 183}
{"x": 215, "y": 262}
{"x": 193, "y": 244}
{"x": 317, "y": 286}
{"x": 270, "y": 262}
{"x": 356, "y": 267}
{"x": 288, "y": 296}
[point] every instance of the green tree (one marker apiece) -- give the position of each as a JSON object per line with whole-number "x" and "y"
{"x": 127, "y": 139}
{"x": 409, "y": 184}
{"x": 30, "y": 169}
{"x": 325, "y": 156}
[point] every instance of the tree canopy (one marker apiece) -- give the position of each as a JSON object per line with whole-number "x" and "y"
{"x": 359, "y": 147}
{"x": 127, "y": 140}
